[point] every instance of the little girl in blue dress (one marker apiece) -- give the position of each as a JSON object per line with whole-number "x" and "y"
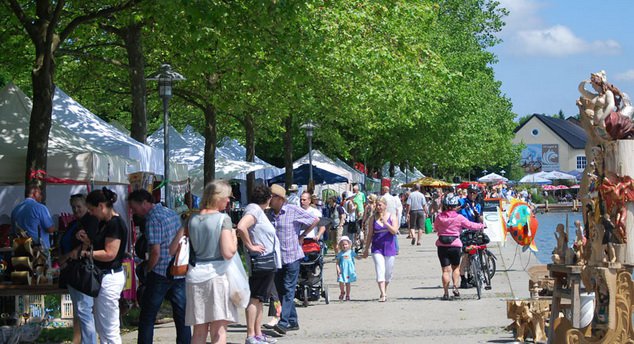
{"x": 346, "y": 273}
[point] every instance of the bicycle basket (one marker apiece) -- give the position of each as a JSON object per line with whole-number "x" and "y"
{"x": 471, "y": 237}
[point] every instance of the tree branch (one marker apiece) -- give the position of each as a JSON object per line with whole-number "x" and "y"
{"x": 79, "y": 53}
{"x": 27, "y": 22}
{"x": 91, "y": 16}
{"x": 190, "y": 97}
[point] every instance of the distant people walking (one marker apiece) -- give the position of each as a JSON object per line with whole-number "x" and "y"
{"x": 161, "y": 226}
{"x": 289, "y": 220}
{"x": 213, "y": 242}
{"x": 293, "y": 197}
{"x": 448, "y": 226}
{"x": 416, "y": 210}
{"x": 109, "y": 244}
{"x": 259, "y": 238}
{"x": 382, "y": 235}
{"x": 338, "y": 216}
{"x": 346, "y": 272}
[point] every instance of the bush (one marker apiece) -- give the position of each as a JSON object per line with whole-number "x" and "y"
{"x": 537, "y": 197}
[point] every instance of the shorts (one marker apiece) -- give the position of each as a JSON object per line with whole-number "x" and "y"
{"x": 261, "y": 285}
{"x": 417, "y": 219}
{"x": 449, "y": 255}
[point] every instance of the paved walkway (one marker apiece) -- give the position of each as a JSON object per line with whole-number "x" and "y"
{"x": 413, "y": 313}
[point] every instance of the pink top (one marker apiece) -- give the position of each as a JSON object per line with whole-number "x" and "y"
{"x": 450, "y": 223}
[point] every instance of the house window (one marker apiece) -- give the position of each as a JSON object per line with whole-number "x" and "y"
{"x": 581, "y": 162}
{"x": 535, "y": 132}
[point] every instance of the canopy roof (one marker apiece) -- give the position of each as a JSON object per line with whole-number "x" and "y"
{"x": 301, "y": 176}
{"x": 427, "y": 181}
{"x": 357, "y": 177}
{"x": 492, "y": 178}
{"x": 322, "y": 161}
{"x": 235, "y": 151}
{"x": 535, "y": 178}
{"x": 69, "y": 155}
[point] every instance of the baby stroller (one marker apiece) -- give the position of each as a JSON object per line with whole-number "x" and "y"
{"x": 310, "y": 284}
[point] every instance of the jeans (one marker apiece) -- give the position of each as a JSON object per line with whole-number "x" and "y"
{"x": 286, "y": 283}
{"x": 82, "y": 306}
{"x": 158, "y": 288}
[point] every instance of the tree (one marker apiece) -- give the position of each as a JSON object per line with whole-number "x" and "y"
{"x": 48, "y": 25}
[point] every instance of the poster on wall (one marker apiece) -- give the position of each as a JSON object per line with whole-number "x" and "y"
{"x": 550, "y": 157}
{"x": 540, "y": 157}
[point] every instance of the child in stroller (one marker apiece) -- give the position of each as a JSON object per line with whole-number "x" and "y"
{"x": 310, "y": 284}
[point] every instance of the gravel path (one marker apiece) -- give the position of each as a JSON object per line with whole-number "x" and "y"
{"x": 413, "y": 313}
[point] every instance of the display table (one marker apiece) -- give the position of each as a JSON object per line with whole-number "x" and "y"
{"x": 571, "y": 274}
{"x": 44, "y": 289}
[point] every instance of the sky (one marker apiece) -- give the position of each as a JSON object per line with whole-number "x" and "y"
{"x": 550, "y": 46}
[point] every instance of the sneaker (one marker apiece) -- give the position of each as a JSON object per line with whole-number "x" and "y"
{"x": 266, "y": 339}
{"x": 292, "y": 328}
{"x": 463, "y": 283}
{"x": 279, "y": 329}
{"x": 253, "y": 340}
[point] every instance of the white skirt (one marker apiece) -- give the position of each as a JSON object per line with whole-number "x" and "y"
{"x": 209, "y": 301}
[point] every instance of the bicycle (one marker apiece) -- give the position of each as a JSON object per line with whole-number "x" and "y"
{"x": 482, "y": 264}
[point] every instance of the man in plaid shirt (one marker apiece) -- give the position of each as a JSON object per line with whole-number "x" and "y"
{"x": 292, "y": 224}
{"x": 161, "y": 225}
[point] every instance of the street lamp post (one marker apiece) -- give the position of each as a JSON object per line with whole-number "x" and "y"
{"x": 484, "y": 172}
{"x": 165, "y": 76}
{"x": 310, "y": 127}
{"x": 434, "y": 165}
{"x": 502, "y": 172}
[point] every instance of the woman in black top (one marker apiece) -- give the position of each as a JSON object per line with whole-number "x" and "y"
{"x": 109, "y": 243}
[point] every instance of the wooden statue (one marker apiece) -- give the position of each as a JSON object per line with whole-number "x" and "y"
{"x": 528, "y": 319}
{"x": 579, "y": 244}
{"x": 559, "y": 253}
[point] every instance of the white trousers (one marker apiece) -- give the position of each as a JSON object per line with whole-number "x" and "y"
{"x": 384, "y": 267}
{"x": 106, "y": 308}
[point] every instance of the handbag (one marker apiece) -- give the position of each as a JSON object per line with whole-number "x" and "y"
{"x": 180, "y": 263}
{"x": 265, "y": 262}
{"x": 85, "y": 276}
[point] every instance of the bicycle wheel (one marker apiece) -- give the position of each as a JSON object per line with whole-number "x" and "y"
{"x": 486, "y": 280}
{"x": 491, "y": 262}
{"x": 476, "y": 273}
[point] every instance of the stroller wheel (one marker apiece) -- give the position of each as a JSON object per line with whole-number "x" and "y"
{"x": 326, "y": 295}
{"x": 305, "y": 296}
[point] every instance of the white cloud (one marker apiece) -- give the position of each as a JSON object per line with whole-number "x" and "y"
{"x": 625, "y": 76}
{"x": 526, "y": 33}
{"x": 558, "y": 41}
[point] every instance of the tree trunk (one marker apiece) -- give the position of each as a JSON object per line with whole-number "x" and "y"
{"x": 210, "y": 144}
{"x": 249, "y": 128}
{"x": 288, "y": 151}
{"x": 136, "y": 61}
{"x": 41, "y": 113}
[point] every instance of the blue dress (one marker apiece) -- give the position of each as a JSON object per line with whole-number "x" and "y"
{"x": 345, "y": 260}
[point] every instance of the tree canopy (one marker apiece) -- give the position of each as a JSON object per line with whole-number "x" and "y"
{"x": 386, "y": 81}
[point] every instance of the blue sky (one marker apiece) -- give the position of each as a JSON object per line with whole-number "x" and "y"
{"x": 549, "y": 46}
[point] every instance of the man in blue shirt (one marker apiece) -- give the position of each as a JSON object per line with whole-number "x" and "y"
{"x": 469, "y": 207}
{"x": 33, "y": 217}
{"x": 161, "y": 225}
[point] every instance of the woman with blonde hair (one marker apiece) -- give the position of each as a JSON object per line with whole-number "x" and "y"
{"x": 370, "y": 206}
{"x": 213, "y": 241}
{"x": 382, "y": 234}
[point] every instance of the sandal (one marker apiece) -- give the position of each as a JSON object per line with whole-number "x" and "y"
{"x": 382, "y": 298}
{"x": 341, "y": 296}
{"x": 348, "y": 298}
{"x": 445, "y": 297}
{"x": 456, "y": 292}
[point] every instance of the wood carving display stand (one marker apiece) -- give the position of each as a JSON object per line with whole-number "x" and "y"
{"x": 567, "y": 286}
{"x": 528, "y": 318}
{"x": 620, "y": 329}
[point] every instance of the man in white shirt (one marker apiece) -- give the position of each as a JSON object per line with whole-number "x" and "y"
{"x": 305, "y": 202}
{"x": 416, "y": 212}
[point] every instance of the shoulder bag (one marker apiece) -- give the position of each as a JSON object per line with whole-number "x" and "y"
{"x": 85, "y": 276}
{"x": 265, "y": 262}
{"x": 180, "y": 263}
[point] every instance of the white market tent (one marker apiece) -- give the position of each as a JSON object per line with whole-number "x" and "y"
{"x": 357, "y": 177}
{"x": 554, "y": 175}
{"x": 492, "y": 178}
{"x": 69, "y": 157}
{"x": 79, "y": 120}
{"x": 234, "y": 150}
{"x": 190, "y": 151}
{"x": 535, "y": 178}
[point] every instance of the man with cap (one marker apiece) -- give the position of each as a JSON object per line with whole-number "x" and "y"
{"x": 293, "y": 198}
{"x": 292, "y": 224}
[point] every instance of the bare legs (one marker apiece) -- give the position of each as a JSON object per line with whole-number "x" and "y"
{"x": 344, "y": 288}
{"x": 448, "y": 273}
{"x": 254, "y": 318}
{"x": 217, "y": 329}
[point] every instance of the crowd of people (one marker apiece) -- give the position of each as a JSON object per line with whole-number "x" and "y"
{"x": 274, "y": 231}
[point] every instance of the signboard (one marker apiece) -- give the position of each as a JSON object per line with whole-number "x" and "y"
{"x": 540, "y": 157}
